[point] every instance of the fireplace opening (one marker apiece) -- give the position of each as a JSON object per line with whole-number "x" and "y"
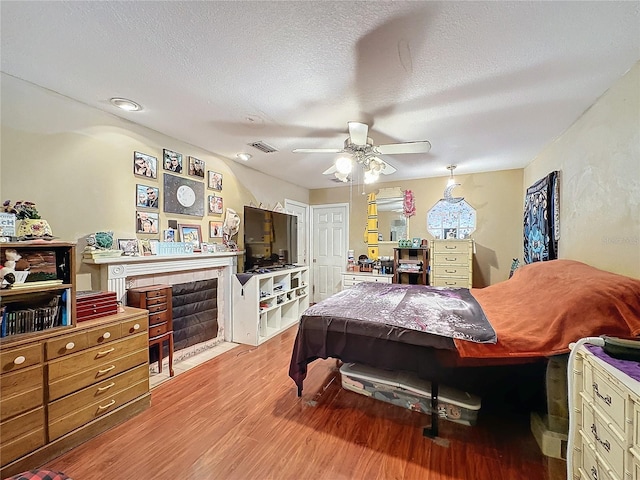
{"x": 195, "y": 315}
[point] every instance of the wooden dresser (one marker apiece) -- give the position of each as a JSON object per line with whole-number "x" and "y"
{"x": 65, "y": 386}
{"x": 606, "y": 406}
{"x": 156, "y": 299}
{"x": 451, "y": 263}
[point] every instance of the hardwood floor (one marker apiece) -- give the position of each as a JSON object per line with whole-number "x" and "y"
{"x": 238, "y": 417}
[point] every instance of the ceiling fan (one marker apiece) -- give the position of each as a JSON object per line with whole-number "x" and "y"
{"x": 365, "y": 153}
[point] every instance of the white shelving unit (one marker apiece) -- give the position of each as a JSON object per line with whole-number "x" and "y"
{"x": 269, "y": 303}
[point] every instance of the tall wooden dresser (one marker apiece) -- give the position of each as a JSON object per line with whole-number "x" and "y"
{"x": 156, "y": 299}
{"x": 64, "y": 386}
{"x": 605, "y": 404}
{"x": 451, "y": 263}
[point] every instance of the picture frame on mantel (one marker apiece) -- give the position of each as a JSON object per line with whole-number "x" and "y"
{"x": 191, "y": 234}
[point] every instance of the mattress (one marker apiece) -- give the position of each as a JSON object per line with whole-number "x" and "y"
{"x": 406, "y": 390}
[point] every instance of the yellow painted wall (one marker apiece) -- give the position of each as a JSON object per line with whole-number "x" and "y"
{"x": 599, "y": 163}
{"x": 497, "y": 197}
{"x": 76, "y": 163}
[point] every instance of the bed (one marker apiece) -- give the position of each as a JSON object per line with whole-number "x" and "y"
{"x": 534, "y": 315}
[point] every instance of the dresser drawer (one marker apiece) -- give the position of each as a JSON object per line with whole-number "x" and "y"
{"x": 22, "y": 425}
{"x": 15, "y": 446}
{"x": 136, "y": 325}
{"x": 97, "y": 392}
{"x": 87, "y": 413}
{"x": 161, "y": 293}
{"x": 21, "y": 391}
{"x": 455, "y": 271}
{"x": 104, "y": 334}
{"x": 157, "y": 302}
{"x": 156, "y": 330}
{"x": 452, "y": 258}
{"x": 66, "y": 345}
{"x": 13, "y": 359}
{"x": 450, "y": 282}
{"x": 606, "y": 396}
{"x": 83, "y": 378}
{"x": 450, "y": 246}
{"x": 157, "y": 318}
{"x": 603, "y": 440}
{"x": 591, "y": 467}
{"x": 93, "y": 357}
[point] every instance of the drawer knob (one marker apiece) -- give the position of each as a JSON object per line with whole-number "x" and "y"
{"x": 19, "y": 360}
{"x": 106, "y": 335}
{"x": 136, "y": 326}
{"x": 70, "y": 345}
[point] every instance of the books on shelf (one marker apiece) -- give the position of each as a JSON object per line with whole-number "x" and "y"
{"x": 26, "y": 320}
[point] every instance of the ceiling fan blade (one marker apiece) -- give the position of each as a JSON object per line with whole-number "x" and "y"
{"x": 387, "y": 169}
{"x": 407, "y": 147}
{"x": 358, "y": 132}
{"x": 330, "y": 170}
{"x": 317, "y": 150}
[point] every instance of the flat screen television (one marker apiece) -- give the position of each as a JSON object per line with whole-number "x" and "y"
{"x": 270, "y": 239}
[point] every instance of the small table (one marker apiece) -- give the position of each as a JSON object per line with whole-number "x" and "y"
{"x": 157, "y": 300}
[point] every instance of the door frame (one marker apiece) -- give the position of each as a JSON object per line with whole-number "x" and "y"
{"x": 307, "y": 232}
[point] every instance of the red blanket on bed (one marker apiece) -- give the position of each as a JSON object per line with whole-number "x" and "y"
{"x": 547, "y": 305}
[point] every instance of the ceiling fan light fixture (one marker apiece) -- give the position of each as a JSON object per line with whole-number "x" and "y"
{"x": 370, "y": 176}
{"x": 344, "y": 165}
{"x": 125, "y": 104}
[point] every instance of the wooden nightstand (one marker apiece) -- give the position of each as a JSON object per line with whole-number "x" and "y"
{"x": 156, "y": 299}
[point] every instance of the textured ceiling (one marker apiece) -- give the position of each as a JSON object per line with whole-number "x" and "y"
{"x": 489, "y": 84}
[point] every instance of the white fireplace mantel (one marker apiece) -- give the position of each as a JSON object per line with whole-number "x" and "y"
{"x": 115, "y": 271}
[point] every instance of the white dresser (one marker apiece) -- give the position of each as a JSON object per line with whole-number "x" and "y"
{"x": 349, "y": 279}
{"x": 451, "y": 263}
{"x": 605, "y": 405}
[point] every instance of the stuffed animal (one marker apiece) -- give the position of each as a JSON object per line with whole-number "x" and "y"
{"x": 7, "y": 273}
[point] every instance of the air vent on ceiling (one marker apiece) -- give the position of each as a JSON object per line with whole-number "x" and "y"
{"x": 263, "y": 147}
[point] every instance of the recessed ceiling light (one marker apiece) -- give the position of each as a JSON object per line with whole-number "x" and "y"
{"x": 244, "y": 156}
{"x": 125, "y": 104}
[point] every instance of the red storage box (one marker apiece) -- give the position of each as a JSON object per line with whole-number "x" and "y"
{"x": 92, "y": 304}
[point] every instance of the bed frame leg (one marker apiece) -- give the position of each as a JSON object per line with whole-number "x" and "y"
{"x": 299, "y": 391}
{"x": 432, "y": 431}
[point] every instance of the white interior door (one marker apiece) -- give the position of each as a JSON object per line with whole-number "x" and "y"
{"x": 301, "y": 210}
{"x": 330, "y": 227}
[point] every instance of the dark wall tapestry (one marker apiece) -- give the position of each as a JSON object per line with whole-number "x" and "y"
{"x": 541, "y": 220}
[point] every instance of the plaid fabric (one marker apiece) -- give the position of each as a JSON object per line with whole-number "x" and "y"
{"x": 39, "y": 475}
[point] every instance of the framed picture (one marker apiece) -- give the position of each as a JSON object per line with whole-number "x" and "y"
{"x": 214, "y": 180}
{"x": 169, "y": 235}
{"x": 215, "y": 204}
{"x": 144, "y": 247}
{"x": 145, "y": 165}
{"x": 172, "y": 161}
{"x": 183, "y": 195}
{"x": 147, "y": 222}
{"x": 215, "y": 229}
{"x": 146, "y": 196}
{"x": 128, "y": 245}
{"x": 196, "y": 167}
{"x": 191, "y": 234}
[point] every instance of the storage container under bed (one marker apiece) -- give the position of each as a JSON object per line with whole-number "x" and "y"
{"x": 406, "y": 390}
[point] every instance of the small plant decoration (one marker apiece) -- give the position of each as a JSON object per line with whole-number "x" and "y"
{"x": 22, "y": 210}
